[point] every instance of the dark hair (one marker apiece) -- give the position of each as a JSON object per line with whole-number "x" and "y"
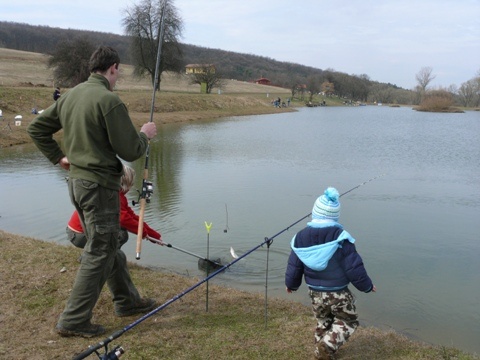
{"x": 103, "y": 58}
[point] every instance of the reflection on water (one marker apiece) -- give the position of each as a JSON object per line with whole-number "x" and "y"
{"x": 416, "y": 226}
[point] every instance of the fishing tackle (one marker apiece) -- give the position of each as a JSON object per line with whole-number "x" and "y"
{"x": 208, "y": 227}
{"x": 266, "y": 241}
{"x": 269, "y": 241}
{"x": 147, "y": 187}
{"x": 105, "y": 342}
{"x": 226, "y": 225}
{"x": 115, "y": 354}
{"x": 233, "y": 253}
{"x": 214, "y": 264}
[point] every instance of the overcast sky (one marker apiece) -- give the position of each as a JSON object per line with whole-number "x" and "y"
{"x": 389, "y": 40}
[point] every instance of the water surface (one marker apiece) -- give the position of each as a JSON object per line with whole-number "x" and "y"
{"x": 416, "y": 225}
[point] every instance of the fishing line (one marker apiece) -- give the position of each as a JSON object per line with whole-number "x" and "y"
{"x": 104, "y": 343}
{"x": 268, "y": 241}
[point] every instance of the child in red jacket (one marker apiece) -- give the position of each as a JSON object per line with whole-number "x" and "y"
{"x": 128, "y": 218}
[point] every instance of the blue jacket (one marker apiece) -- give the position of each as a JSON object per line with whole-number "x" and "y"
{"x": 326, "y": 256}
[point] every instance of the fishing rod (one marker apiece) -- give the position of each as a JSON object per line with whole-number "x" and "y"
{"x": 147, "y": 186}
{"x": 365, "y": 182}
{"x": 267, "y": 241}
{"x": 345, "y": 193}
{"x": 104, "y": 343}
{"x": 213, "y": 263}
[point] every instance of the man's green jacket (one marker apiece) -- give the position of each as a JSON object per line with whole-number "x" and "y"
{"x": 97, "y": 131}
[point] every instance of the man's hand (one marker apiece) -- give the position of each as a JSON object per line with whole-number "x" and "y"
{"x": 64, "y": 163}
{"x": 149, "y": 129}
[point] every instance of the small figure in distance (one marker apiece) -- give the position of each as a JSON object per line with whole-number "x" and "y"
{"x": 56, "y": 93}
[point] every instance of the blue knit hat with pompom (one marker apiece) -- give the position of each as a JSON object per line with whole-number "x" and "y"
{"x": 327, "y": 206}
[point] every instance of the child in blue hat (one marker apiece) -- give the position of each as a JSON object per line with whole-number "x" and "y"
{"x": 325, "y": 255}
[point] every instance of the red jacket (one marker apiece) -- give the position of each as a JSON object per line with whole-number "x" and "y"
{"x": 128, "y": 221}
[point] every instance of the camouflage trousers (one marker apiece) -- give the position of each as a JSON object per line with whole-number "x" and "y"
{"x": 336, "y": 317}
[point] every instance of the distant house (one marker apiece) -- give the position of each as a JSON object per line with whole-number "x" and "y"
{"x": 200, "y": 69}
{"x": 263, "y": 81}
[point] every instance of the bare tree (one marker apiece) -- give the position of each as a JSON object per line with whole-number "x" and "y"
{"x": 293, "y": 88}
{"x": 476, "y": 80}
{"x": 381, "y": 93}
{"x": 70, "y": 61}
{"x": 467, "y": 94}
{"x": 424, "y": 77}
{"x": 313, "y": 86}
{"x": 142, "y": 23}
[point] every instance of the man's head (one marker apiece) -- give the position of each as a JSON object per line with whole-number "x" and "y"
{"x": 102, "y": 59}
{"x": 327, "y": 206}
{"x": 105, "y": 61}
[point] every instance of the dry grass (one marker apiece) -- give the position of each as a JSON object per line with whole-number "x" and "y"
{"x": 34, "y": 291}
{"x": 169, "y": 108}
{"x": 19, "y": 68}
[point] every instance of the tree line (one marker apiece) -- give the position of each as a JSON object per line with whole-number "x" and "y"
{"x": 303, "y": 81}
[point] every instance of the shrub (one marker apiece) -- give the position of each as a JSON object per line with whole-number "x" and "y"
{"x": 437, "y": 101}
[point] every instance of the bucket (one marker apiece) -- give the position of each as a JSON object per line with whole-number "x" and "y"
{"x": 18, "y": 120}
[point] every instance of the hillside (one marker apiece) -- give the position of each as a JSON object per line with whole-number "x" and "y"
{"x": 243, "y": 67}
{"x": 26, "y": 83}
{"x": 23, "y": 68}
{"x": 239, "y": 66}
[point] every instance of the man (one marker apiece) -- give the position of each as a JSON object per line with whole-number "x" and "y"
{"x": 97, "y": 132}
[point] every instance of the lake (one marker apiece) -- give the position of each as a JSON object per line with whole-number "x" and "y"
{"x": 416, "y": 223}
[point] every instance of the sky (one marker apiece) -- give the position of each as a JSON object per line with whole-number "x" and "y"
{"x": 388, "y": 40}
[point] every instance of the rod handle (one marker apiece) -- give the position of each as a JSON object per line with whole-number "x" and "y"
{"x": 140, "y": 229}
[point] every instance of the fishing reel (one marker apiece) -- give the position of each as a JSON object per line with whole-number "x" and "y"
{"x": 113, "y": 355}
{"x": 146, "y": 193}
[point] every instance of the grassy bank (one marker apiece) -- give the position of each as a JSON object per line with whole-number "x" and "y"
{"x": 34, "y": 291}
{"x": 26, "y": 83}
{"x": 170, "y": 107}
